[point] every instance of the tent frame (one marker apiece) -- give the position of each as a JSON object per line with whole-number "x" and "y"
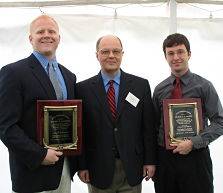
{"x": 43, "y": 3}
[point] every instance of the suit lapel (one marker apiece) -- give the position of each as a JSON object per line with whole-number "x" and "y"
{"x": 98, "y": 89}
{"x": 125, "y": 83}
{"x": 42, "y": 77}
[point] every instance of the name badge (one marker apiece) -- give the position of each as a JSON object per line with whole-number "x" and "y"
{"x": 132, "y": 99}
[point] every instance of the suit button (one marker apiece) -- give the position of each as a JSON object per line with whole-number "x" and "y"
{"x": 115, "y": 129}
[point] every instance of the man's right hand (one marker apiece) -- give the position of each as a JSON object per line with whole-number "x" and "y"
{"x": 52, "y": 157}
{"x": 84, "y": 176}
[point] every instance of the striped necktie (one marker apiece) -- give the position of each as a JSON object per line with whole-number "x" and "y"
{"x": 111, "y": 98}
{"x": 55, "y": 82}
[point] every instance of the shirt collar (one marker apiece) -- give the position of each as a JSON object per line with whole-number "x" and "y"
{"x": 184, "y": 79}
{"x": 106, "y": 78}
{"x": 44, "y": 61}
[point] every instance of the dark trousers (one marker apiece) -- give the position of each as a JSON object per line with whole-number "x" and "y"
{"x": 190, "y": 173}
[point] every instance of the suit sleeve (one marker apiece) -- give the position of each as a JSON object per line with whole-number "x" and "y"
{"x": 11, "y": 133}
{"x": 81, "y": 159}
{"x": 149, "y": 128}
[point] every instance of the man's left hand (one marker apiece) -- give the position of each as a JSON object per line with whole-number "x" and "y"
{"x": 148, "y": 171}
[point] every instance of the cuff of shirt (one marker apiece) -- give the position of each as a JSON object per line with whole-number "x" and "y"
{"x": 198, "y": 142}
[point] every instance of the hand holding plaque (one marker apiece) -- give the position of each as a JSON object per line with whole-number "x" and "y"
{"x": 59, "y": 125}
{"x": 182, "y": 119}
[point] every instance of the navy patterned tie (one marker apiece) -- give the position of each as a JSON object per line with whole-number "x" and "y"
{"x": 55, "y": 82}
{"x": 177, "y": 92}
{"x": 111, "y": 98}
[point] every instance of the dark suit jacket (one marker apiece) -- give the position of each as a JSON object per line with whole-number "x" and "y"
{"x": 133, "y": 131}
{"x": 21, "y": 84}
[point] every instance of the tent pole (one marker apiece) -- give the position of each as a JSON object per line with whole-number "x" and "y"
{"x": 172, "y": 16}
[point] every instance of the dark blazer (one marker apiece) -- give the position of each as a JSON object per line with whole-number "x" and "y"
{"x": 133, "y": 131}
{"x": 21, "y": 84}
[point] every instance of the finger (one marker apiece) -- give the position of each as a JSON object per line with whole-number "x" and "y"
{"x": 184, "y": 152}
{"x": 84, "y": 179}
{"x": 151, "y": 173}
{"x": 147, "y": 178}
{"x": 87, "y": 177}
{"x": 82, "y": 176}
{"x": 176, "y": 150}
{"x": 59, "y": 153}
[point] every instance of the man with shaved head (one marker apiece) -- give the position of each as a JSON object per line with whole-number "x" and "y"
{"x": 118, "y": 125}
{"x": 33, "y": 167}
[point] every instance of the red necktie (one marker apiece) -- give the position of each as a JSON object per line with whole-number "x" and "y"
{"x": 111, "y": 98}
{"x": 176, "y": 92}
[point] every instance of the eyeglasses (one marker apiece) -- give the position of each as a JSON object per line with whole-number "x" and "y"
{"x": 115, "y": 52}
{"x": 179, "y": 53}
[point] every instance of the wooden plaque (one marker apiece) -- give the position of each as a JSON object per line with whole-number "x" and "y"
{"x": 182, "y": 119}
{"x": 59, "y": 125}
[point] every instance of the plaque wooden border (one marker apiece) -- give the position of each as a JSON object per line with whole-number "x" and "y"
{"x": 42, "y": 104}
{"x": 167, "y": 116}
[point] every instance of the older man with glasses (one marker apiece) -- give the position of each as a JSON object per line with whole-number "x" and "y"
{"x": 118, "y": 124}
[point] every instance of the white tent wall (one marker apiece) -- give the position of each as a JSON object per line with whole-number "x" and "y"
{"x": 142, "y": 34}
